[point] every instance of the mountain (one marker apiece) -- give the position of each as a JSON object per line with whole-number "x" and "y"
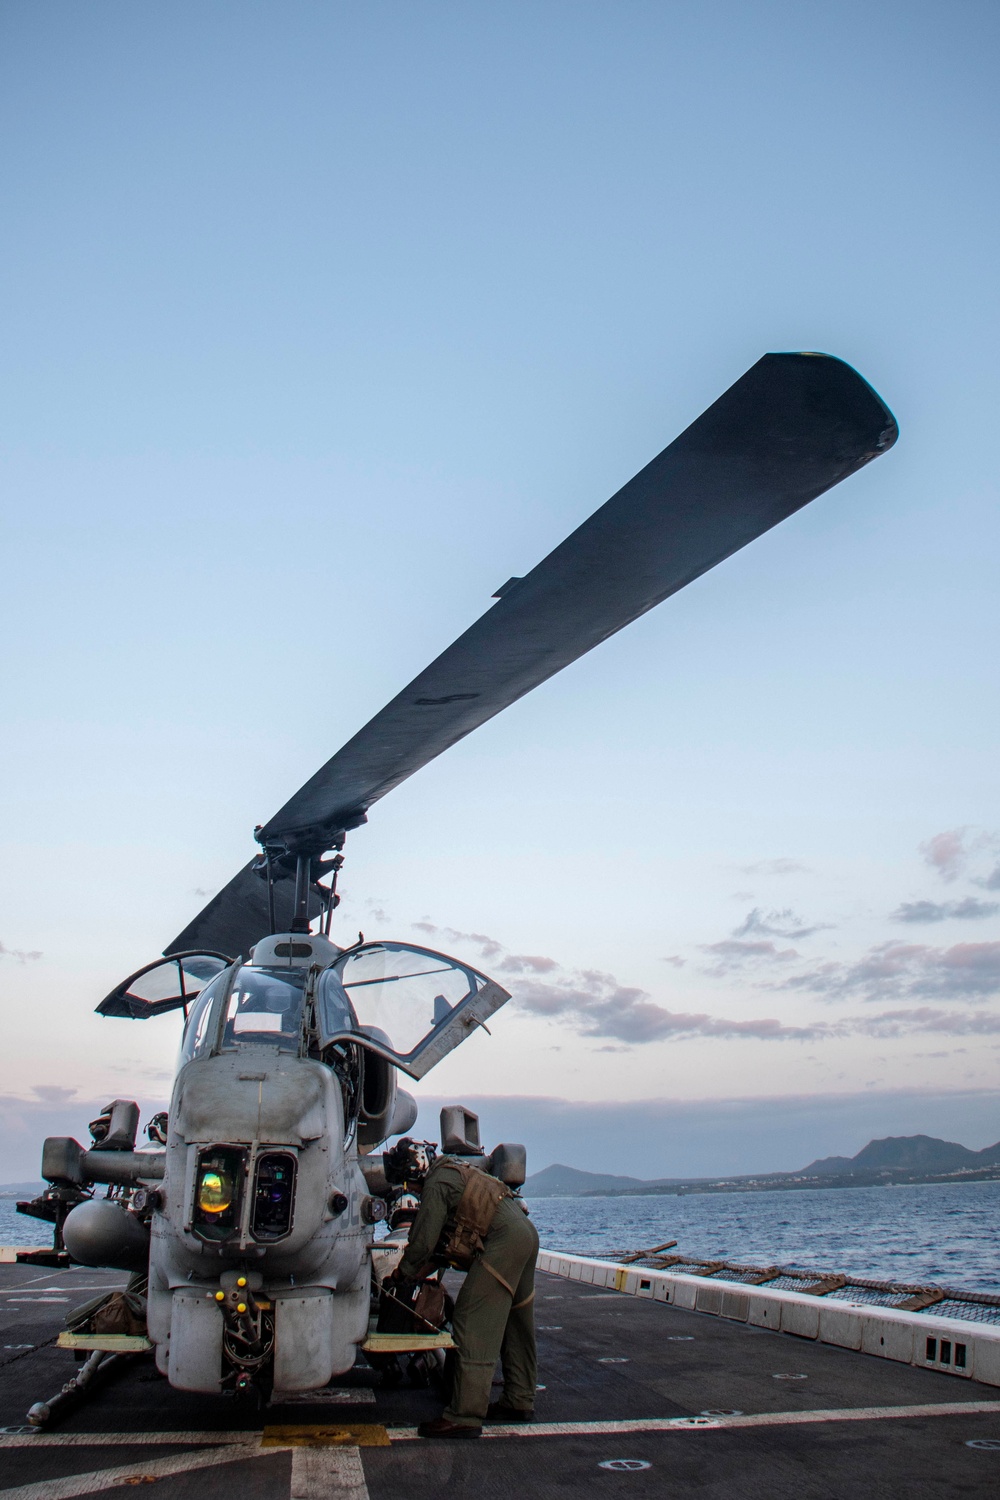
{"x": 21, "y": 1189}
{"x": 907, "y": 1153}
{"x": 558, "y": 1181}
{"x": 829, "y": 1166}
{"x": 907, "y": 1158}
{"x": 918, "y": 1153}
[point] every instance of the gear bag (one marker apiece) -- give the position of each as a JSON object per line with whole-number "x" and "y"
{"x": 115, "y": 1312}
{"x": 413, "y": 1309}
{"x": 481, "y": 1197}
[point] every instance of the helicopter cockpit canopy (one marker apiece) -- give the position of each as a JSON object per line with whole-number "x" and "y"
{"x": 264, "y": 1009}
{"x": 411, "y": 1005}
{"x": 166, "y": 984}
{"x": 248, "y": 1006}
{"x": 414, "y": 1005}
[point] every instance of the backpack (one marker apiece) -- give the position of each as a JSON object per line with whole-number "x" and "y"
{"x": 464, "y": 1236}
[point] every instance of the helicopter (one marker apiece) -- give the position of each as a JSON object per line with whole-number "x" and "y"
{"x": 253, "y": 1209}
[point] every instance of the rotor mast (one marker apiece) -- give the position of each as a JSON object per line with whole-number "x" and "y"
{"x": 300, "y": 857}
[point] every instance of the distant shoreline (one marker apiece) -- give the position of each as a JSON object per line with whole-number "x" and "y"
{"x": 890, "y": 1162}
{"x": 771, "y": 1185}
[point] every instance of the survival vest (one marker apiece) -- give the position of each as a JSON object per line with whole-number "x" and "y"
{"x": 464, "y": 1234}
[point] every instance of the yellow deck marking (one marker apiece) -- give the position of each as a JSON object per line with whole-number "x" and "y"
{"x": 325, "y": 1435}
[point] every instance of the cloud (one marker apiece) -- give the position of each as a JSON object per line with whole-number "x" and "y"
{"x": 18, "y": 954}
{"x": 783, "y": 924}
{"x": 53, "y": 1093}
{"x": 674, "y": 959}
{"x": 50, "y": 1110}
{"x": 601, "y": 1007}
{"x": 735, "y": 953}
{"x": 893, "y": 971}
{"x": 488, "y": 947}
{"x": 775, "y": 867}
{"x": 940, "y": 911}
{"x": 946, "y": 852}
{"x": 596, "y": 1004}
{"x": 954, "y": 851}
{"x": 894, "y": 1023}
{"x": 137, "y": 1071}
{"x": 527, "y": 963}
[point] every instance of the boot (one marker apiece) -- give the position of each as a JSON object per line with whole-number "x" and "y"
{"x": 442, "y": 1428}
{"x": 498, "y": 1412}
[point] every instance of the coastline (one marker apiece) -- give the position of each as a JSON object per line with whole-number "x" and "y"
{"x": 788, "y": 1183}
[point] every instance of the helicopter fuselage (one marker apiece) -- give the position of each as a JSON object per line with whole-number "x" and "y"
{"x": 270, "y": 1129}
{"x": 256, "y": 1220}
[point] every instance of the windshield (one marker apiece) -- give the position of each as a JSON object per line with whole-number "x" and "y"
{"x": 334, "y": 1008}
{"x": 197, "y": 1036}
{"x": 265, "y": 1009}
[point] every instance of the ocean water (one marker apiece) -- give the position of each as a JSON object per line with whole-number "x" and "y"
{"x": 949, "y": 1234}
{"x": 18, "y": 1229}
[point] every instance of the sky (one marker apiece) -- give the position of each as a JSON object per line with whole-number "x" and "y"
{"x": 320, "y": 322}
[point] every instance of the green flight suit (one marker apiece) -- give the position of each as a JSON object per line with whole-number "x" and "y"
{"x": 494, "y": 1312}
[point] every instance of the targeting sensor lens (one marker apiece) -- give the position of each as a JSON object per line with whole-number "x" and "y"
{"x": 218, "y": 1191}
{"x": 274, "y": 1195}
{"x": 215, "y": 1193}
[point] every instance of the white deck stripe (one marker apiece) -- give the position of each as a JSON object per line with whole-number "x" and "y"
{"x": 106, "y": 1479}
{"x": 529, "y": 1429}
{"x": 52, "y": 1272}
{"x": 326, "y": 1474}
{"x": 720, "y": 1424}
{"x": 120, "y": 1439}
{"x": 317, "y": 1473}
{"x": 67, "y": 1286}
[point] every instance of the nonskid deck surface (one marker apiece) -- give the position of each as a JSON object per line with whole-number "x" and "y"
{"x": 624, "y": 1380}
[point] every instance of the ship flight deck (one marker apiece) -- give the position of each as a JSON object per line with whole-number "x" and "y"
{"x": 637, "y": 1397}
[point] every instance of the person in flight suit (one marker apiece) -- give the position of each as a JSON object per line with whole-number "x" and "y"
{"x": 470, "y": 1220}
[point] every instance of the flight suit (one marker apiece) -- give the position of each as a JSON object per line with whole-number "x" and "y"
{"x": 494, "y": 1312}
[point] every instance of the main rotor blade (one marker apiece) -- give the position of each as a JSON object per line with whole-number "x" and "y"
{"x": 238, "y": 915}
{"x": 790, "y": 428}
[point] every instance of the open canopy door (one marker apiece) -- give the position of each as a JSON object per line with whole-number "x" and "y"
{"x": 414, "y": 1004}
{"x": 167, "y": 984}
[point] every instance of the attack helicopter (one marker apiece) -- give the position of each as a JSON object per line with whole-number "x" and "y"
{"x": 253, "y": 1207}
